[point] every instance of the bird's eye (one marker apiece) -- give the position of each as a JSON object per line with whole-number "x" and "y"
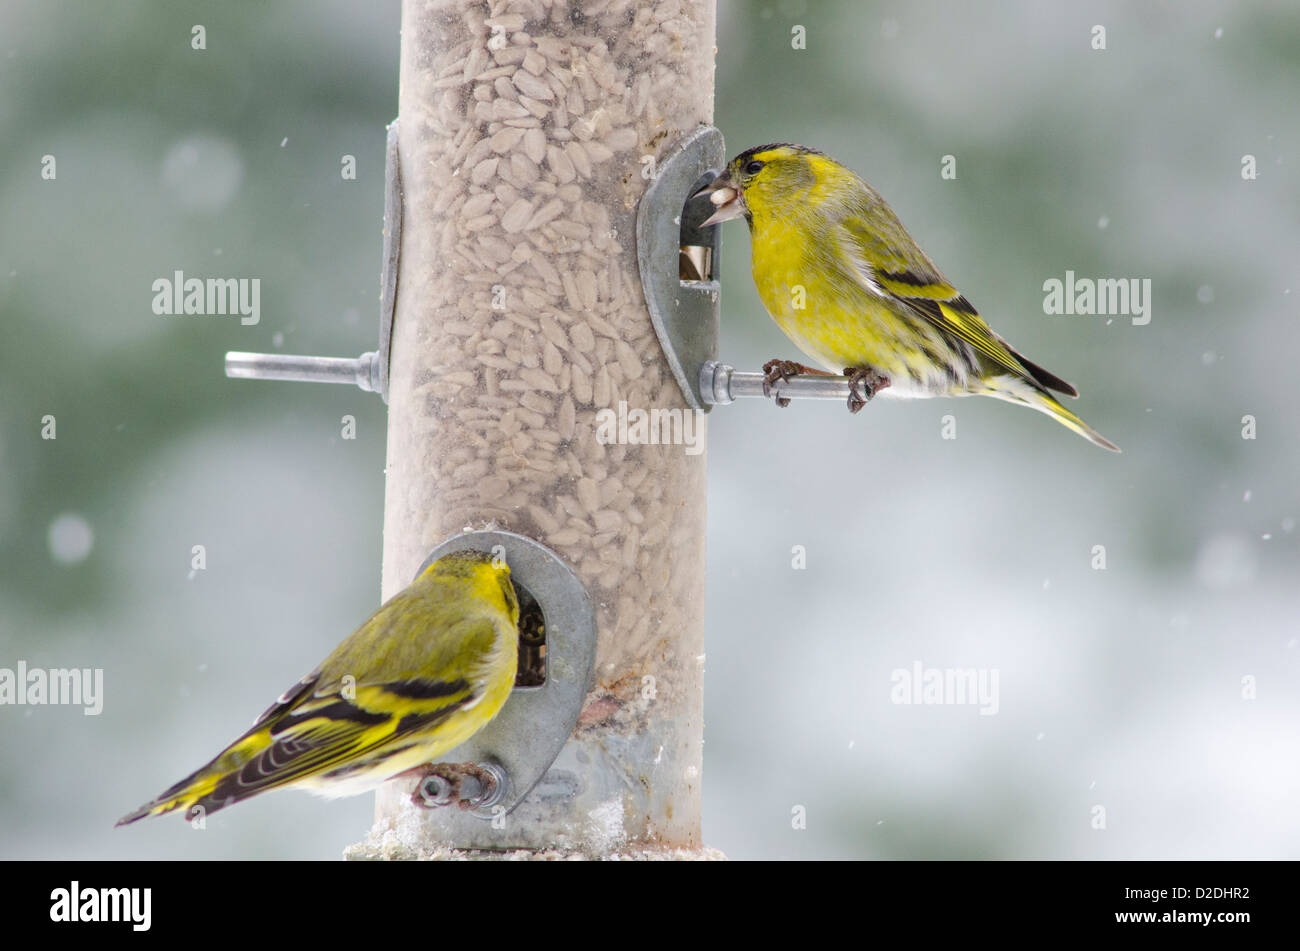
{"x": 754, "y": 167}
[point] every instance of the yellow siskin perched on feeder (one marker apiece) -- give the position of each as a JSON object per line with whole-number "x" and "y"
{"x": 426, "y": 672}
{"x": 872, "y": 304}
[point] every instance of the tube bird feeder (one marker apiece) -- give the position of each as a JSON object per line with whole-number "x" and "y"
{"x": 529, "y": 130}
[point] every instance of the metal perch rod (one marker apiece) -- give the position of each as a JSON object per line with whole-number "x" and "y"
{"x": 721, "y": 383}
{"x": 362, "y": 371}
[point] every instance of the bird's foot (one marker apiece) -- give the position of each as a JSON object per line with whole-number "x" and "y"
{"x": 779, "y": 371}
{"x": 864, "y": 383}
{"x": 464, "y": 785}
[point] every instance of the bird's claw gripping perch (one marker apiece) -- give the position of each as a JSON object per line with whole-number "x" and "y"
{"x": 864, "y": 383}
{"x": 465, "y": 785}
{"x": 779, "y": 371}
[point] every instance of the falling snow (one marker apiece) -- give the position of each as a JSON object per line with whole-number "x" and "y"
{"x": 70, "y": 539}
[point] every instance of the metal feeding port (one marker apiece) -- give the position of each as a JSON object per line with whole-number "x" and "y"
{"x": 506, "y": 759}
{"x": 678, "y": 259}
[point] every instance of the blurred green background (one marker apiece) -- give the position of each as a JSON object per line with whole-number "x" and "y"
{"x": 1120, "y": 688}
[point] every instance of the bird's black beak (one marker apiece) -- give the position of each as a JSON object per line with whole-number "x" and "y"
{"x": 726, "y": 198}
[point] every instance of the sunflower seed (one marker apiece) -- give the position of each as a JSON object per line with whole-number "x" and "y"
{"x": 621, "y": 140}
{"x": 517, "y": 216}
{"x": 566, "y": 418}
{"x": 577, "y": 157}
{"x": 535, "y": 145}
{"x": 560, "y": 164}
{"x": 506, "y": 139}
{"x": 532, "y": 86}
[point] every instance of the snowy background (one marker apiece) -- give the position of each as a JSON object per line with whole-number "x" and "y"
{"x": 1120, "y": 688}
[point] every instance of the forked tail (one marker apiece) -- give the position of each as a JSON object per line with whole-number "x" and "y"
{"x": 1021, "y": 391}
